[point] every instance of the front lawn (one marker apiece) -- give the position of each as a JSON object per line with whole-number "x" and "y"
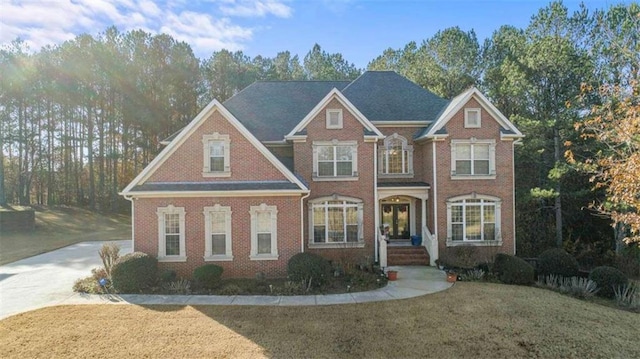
{"x": 479, "y": 320}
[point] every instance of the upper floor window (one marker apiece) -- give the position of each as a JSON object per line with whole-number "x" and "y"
{"x": 264, "y": 232}
{"x": 334, "y": 118}
{"x": 335, "y": 220}
{"x": 473, "y": 158}
{"x": 217, "y": 233}
{"x": 216, "y": 148}
{"x": 171, "y": 238}
{"x": 472, "y": 118}
{"x": 396, "y": 156}
{"x": 473, "y": 219}
{"x": 332, "y": 160}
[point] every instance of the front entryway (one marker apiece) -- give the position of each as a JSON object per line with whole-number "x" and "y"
{"x": 396, "y": 216}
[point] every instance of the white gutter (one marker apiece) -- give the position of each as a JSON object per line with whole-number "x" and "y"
{"x": 376, "y": 210}
{"x": 133, "y": 222}
{"x": 435, "y": 196}
{"x": 302, "y": 221}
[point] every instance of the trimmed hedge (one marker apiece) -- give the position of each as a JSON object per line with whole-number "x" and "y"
{"x": 133, "y": 272}
{"x": 557, "y": 261}
{"x": 607, "y": 279}
{"x": 513, "y": 270}
{"x": 309, "y": 267}
{"x": 208, "y": 276}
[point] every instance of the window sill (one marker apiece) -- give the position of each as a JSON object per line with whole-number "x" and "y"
{"x": 395, "y": 175}
{"x": 328, "y": 179}
{"x": 172, "y": 259}
{"x": 216, "y": 174}
{"x": 263, "y": 257}
{"x": 451, "y": 243}
{"x": 473, "y": 177}
{"x": 218, "y": 258}
{"x": 345, "y": 245}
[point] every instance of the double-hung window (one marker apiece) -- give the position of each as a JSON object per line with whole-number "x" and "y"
{"x": 473, "y": 158}
{"x": 216, "y": 155}
{"x": 334, "y": 160}
{"x": 473, "y": 220}
{"x": 395, "y": 157}
{"x": 217, "y": 233}
{"x": 264, "y": 232}
{"x": 171, "y": 234}
{"x": 335, "y": 220}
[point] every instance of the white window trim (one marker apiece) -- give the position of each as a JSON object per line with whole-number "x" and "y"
{"x": 208, "y": 212}
{"x": 253, "y": 211}
{"x": 162, "y": 244}
{"x": 467, "y": 124}
{"x": 334, "y": 143}
{"x": 383, "y": 153}
{"x": 206, "y": 169}
{"x": 360, "y": 206}
{"x": 479, "y": 243}
{"x": 492, "y": 159}
{"x": 340, "y": 122}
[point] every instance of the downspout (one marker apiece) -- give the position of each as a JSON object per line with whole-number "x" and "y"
{"x": 375, "y": 200}
{"x": 302, "y": 220}
{"x": 435, "y": 197}
{"x": 513, "y": 190}
{"x": 133, "y": 221}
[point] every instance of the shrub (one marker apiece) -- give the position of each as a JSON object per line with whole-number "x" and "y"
{"x": 168, "y": 275}
{"x": 109, "y": 253}
{"x": 473, "y": 275}
{"x": 578, "y": 287}
{"x": 607, "y": 279}
{"x": 309, "y": 268}
{"x": 627, "y": 296}
{"x": 133, "y": 272}
{"x": 558, "y": 262}
{"x": 208, "y": 275}
{"x": 513, "y": 270}
{"x": 180, "y": 286}
{"x": 230, "y": 289}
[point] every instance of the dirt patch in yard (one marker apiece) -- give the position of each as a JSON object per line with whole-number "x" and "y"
{"x": 57, "y": 227}
{"x": 477, "y": 320}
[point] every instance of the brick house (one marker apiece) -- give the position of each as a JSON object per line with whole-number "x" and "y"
{"x": 328, "y": 166}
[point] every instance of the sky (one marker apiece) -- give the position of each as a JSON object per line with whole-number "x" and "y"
{"x": 358, "y": 29}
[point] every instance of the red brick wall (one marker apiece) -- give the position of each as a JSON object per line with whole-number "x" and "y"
{"x": 146, "y": 233}
{"x": 501, "y": 186}
{"x": 186, "y": 163}
{"x": 363, "y": 188}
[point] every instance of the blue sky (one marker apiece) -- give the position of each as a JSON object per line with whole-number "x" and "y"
{"x": 359, "y": 29}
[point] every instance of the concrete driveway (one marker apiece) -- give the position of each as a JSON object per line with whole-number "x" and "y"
{"x": 47, "y": 279}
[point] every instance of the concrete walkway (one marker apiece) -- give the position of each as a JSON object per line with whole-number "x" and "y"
{"x": 47, "y": 280}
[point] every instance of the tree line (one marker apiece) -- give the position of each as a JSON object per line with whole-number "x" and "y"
{"x": 79, "y": 120}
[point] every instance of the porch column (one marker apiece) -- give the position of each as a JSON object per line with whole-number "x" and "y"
{"x": 424, "y": 213}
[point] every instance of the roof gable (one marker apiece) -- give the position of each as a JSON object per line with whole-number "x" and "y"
{"x": 188, "y": 132}
{"x": 337, "y": 95}
{"x": 458, "y": 102}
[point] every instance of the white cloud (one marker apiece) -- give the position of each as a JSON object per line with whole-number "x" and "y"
{"x": 206, "y": 27}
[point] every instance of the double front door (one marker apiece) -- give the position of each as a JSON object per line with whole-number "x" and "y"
{"x": 396, "y": 216}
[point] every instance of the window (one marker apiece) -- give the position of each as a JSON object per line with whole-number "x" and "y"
{"x": 472, "y": 118}
{"x": 473, "y": 158}
{"x": 217, "y": 233}
{"x": 395, "y": 157}
{"x": 335, "y": 220}
{"x": 264, "y": 230}
{"x": 334, "y": 119}
{"x": 473, "y": 219}
{"x": 171, "y": 239}
{"x": 216, "y": 155}
{"x": 335, "y": 159}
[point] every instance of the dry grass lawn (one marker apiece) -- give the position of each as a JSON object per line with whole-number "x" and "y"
{"x": 471, "y": 320}
{"x": 57, "y": 227}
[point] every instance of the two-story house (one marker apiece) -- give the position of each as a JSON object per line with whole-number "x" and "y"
{"x": 286, "y": 167}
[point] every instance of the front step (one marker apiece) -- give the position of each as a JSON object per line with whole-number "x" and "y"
{"x": 407, "y": 256}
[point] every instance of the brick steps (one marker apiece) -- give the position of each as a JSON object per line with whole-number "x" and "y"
{"x": 403, "y": 256}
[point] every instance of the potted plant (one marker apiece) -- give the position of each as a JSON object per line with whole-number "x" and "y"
{"x": 392, "y": 275}
{"x": 452, "y": 277}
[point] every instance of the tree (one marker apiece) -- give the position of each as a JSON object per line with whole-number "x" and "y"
{"x": 320, "y": 65}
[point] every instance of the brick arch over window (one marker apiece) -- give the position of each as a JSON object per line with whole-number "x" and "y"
{"x": 395, "y": 157}
{"x": 474, "y": 219}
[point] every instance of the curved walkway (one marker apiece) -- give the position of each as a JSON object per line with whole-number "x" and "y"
{"x": 47, "y": 280}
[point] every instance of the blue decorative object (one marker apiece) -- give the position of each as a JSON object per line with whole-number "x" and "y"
{"x": 416, "y": 240}
{"x": 103, "y": 282}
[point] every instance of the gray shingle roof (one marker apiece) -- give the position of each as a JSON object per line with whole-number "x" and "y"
{"x": 403, "y": 184}
{"x": 387, "y": 96}
{"x": 214, "y": 186}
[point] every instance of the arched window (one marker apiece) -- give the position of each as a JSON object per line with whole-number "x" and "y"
{"x": 396, "y": 156}
{"x": 473, "y": 219}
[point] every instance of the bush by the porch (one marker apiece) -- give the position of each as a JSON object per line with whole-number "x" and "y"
{"x": 309, "y": 268}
